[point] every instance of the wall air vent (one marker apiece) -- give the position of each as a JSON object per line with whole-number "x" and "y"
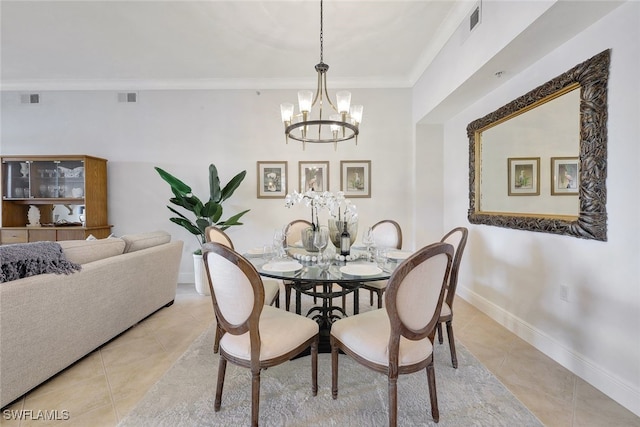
{"x": 474, "y": 18}
{"x": 471, "y": 22}
{"x": 30, "y": 98}
{"x": 128, "y": 97}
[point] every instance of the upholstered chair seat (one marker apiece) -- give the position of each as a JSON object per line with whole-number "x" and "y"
{"x": 368, "y": 334}
{"x": 276, "y": 333}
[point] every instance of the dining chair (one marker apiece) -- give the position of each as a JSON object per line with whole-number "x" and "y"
{"x": 458, "y": 239}
{"x": 398, "y": 339}
{"x": 386, "y": 234}
{"x": 271, "y": 287}
{"x": 257, "y": 336}
{"x": 292, "y": 235}
{"x": 215, "y": 234}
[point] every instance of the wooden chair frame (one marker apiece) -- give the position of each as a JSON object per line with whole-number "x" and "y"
{"x": 451, "y": 290}
{"x": 251, "y": 325}
{"x": 398, "y": 329}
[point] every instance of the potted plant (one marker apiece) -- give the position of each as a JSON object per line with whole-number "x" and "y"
{"x": 204, "y": 214}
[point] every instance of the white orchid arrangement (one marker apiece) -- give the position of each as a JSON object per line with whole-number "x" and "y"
{"x": 338, "y": 206}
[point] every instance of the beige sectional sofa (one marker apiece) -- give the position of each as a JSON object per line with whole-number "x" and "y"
{"x": 49, "y": 321}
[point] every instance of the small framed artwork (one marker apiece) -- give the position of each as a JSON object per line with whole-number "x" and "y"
{"x": 565, "y": 179}
{"x": 272, "y": 180}
{"x": 524, "y": 173}
{"x": 355, "y": 178}
{"x": 314, "y": 176}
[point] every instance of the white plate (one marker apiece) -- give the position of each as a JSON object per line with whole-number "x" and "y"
{"x": 282, "y": 266}
{"x": 255, "y": 251}
{"x": 399, "y": 255}
{"x": 360, "y": 270}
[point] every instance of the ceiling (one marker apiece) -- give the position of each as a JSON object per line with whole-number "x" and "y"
{"x": 221, "y": 44}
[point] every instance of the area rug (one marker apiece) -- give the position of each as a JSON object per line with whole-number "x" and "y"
{"x": 184, "y": 396}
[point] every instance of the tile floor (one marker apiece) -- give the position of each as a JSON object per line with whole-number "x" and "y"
{"x": 103, "y": 387}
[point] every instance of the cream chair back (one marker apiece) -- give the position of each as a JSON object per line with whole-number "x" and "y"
{"x": 416, "y": 289}
{"x": 387, "y": 234}
{"x": 214, "y": 234}
{"x": 236, "y": 288}
{"x": 293, "y": 231}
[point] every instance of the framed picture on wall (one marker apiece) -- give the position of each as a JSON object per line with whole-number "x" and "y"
{"x": 523, "y": 176}
{"x": 565, "y": 179}
{"x": 355, "y": 178}
{"x": 313, "y": 176}
{"x": 272, "y": 180}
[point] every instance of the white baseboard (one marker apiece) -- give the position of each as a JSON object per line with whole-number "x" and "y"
{"x": 186, "y": 278}
{"x": 616, "y": 388}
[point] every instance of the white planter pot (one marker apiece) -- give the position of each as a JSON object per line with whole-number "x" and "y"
{"x": 202, "y": 282}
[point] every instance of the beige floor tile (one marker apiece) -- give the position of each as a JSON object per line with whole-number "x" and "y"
{"x": 178, "y": 338}
{"x": 594, "y": 408}
{"x": 130, "y": 349}
{"x": 86, "y": 368}
{"x": 138, "y": 374}
{"x": 104, "y": 416}
{"x": 533, "y": 370}
{"x": 552, "y": 412}
{"x": 77, "y": 398}
{"x": 12, "y": 417}
{"x": 126, "y": 404}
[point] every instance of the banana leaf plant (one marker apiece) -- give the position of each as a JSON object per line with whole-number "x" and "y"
{"x": 205, "y": 214}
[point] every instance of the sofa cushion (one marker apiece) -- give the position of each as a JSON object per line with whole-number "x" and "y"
{"x": 85, "y": 251}
{"x": 139, "y": 241}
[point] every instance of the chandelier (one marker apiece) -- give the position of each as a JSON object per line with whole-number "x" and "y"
{"x": 313, "y": 124}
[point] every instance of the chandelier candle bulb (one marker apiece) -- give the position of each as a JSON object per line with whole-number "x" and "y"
{"x": 305, "y": 100}
{"x": 344, "y": 101}
{"x": 356, "y": 114}
{"x": 286, "y": 110}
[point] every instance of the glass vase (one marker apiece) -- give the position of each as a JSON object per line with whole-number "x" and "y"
{"x": 306, "y": 236}
{"x": 336, "y": 227}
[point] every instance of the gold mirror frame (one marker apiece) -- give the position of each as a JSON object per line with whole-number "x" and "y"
{"x": 591, "y": 223}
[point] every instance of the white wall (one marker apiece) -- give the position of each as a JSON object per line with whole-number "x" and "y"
{"x": 515, "y": 276}
{"x": 184, "y": 131}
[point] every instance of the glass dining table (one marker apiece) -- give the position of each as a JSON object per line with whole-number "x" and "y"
{"x": 300, "y": 270}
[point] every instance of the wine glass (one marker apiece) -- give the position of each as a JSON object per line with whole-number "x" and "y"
{"x": 321, "y": 238}
{"x": 381, "y": 257}
{"x": 324, "y": 261}
{"x": 278, "y": 242}
{"x": 368, "y": 241}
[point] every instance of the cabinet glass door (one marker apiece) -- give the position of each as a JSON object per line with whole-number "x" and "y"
{"x": 16, "y": 180}
{"x": 57, "y": 179}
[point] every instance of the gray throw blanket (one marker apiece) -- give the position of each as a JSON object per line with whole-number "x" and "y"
{"x": 29, "y": 259}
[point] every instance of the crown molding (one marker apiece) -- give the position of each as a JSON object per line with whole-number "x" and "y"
{"x": 198, "y": 84}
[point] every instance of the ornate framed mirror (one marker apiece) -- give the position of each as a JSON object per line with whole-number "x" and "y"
{"x": 539, "y": 163}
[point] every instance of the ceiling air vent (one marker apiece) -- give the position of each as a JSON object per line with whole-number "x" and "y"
{"x": 128, "y": 97}
{"x": 30, "y": 98}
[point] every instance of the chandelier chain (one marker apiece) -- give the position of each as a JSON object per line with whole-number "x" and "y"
{"x": 321, "y": 33}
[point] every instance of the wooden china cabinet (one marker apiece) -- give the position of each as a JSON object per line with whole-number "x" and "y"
{"x": 70, "y": 193}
